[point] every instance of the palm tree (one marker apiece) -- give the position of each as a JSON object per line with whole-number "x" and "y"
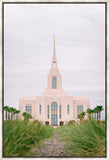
{"x": 17, "y": 112}
{"x": 89, "y": 113}
{"x": 12, "y": 109}
{"x": 9, "y": 110}
{"x": 81, "y": 116}
{"x": 95, "y": 111}
{"x": 14, "y": 112}
{"x": 26, "y": 116}
{"x": 92, "y": 111}
{"x": 100, "y": 108}
{"x": 6, "y": 110}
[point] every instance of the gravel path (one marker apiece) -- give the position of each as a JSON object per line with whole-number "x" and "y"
{"x": 53, "y": 147}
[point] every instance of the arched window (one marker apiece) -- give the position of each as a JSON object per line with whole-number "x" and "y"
{"x": 54, "y": 114}
{"x": 60, "y": 111}
{"x": 48, "y": 112}
{"x": 54, "y": 83}
{"x": 67, "y": 109}
{"x": 40, "y": 109}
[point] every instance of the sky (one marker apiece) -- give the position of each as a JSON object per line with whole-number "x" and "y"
{"x": 79, "y": 31}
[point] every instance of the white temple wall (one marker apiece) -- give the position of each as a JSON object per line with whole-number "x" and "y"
{"x": 54, "y": 93}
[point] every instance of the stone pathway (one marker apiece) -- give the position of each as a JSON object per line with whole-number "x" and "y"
{"x": 53, "y": 147}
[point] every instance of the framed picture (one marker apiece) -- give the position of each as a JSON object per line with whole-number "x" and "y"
{"x": 54, "y": 72}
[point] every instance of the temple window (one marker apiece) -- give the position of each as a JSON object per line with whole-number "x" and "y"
{"x": 79, "y": 110}
{"x": 40, "y": 109}
{"x": 48, "y": 112}
{"x": 60, "y": 111}
{"x": 67, "y": 109}
{"x": 54, "y": 83}
{"x": 28, "y": 109}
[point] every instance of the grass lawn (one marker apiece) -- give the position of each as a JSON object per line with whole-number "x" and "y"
{"x": 21, "y": 136}
{"x": 86, "y": 139}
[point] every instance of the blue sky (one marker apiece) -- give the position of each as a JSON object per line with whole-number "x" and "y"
{"x": 80, "y": 49}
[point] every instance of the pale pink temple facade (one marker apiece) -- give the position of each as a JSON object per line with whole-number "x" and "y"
{"x": 54, "y": 106}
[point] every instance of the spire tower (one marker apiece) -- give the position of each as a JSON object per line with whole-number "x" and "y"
{"x": 54, "y": 60}
{"x": 54, "y": 54}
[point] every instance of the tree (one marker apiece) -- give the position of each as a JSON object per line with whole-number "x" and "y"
{"x": 14, "y": 112}
{"x": 100, "y": 108}
{"x": 17, "y": 112}
{"x": 26, "y": 116}
{"x": 92, "y": 111}
{"x": 71, "y": 122}
{"x": 6, "y": 110}
{"x": 89, "y": 113}
{"x": 95, "y": 111}
{"x": 81, "y": 116}
{"x": 9, "y": 110}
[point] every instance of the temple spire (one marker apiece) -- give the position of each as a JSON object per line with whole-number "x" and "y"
{"x": 54, "y": 54}
{"x": 54, "y": 60}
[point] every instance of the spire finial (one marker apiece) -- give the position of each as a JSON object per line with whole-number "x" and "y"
{"x": 54, "y": 60}
{"x": 54, "y": 37}
{"x": 54, "y": 46}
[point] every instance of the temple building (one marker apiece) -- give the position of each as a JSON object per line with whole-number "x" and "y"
{"x": 54, "y": 106}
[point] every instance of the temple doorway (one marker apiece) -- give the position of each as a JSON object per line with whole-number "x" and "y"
{"x": 61, "y": 123}
{"x": 54, "y": 114}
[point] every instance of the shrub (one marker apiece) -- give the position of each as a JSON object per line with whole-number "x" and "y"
{"x": 26, "y": 116}
{"x": 71, "y": 122}
{"x": 20, "y": 136}
{"x": 84, "y": 139}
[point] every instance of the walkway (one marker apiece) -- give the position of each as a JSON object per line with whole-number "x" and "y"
{"x": 53, "y": 147}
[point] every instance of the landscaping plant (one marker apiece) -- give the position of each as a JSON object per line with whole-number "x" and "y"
{"x": 86, "y": 139}
{"x": 21, "y": 136}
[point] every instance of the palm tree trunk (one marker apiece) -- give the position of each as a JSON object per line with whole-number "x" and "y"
{"x": 88, "y": 116}
{"x": 14, "y": 116}
{"x": 92, "y": 116}
{"x": 11, "y": 115}
{"x": 6, "y": 115}
{"x": 17, "y": 117}
{"x": 97, "y": 116}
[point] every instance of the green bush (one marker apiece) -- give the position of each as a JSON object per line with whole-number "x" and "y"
{"x": 21, "y": 136}
{"x": 103, "y": 122}
{"x": 71, "y": 122}
{"x": 84, "y": 139}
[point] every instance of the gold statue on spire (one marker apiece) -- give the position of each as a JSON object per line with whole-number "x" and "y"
{"x": 54, "y": 37}
{"x": 54, "y": 55}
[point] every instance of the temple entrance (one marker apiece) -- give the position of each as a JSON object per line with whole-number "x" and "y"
{"x": 61, "y": 123}
{"x": 54, "y": 115}
{"x": 46, "y": 123}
